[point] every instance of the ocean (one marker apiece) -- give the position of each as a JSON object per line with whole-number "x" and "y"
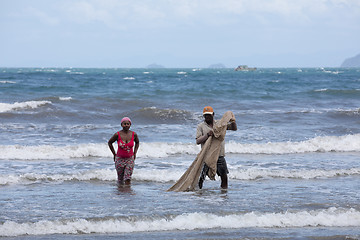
{"x": 294, "y": 162}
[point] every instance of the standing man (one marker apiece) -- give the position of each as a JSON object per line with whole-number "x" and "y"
{"x": 204, "y": 131}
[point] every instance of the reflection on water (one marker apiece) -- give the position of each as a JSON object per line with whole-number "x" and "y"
{"x": 121, "y": 189}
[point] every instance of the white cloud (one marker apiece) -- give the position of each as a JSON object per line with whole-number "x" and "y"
{"x": 189, "y": 28}
{"x": 31, "y": 12}
{"x": 147, "y": 14}
{"x": 112, "y": 13}
{"x": 84, "y": 12}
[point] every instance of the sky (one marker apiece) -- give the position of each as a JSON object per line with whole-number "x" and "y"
{"x": 178, "y": 33}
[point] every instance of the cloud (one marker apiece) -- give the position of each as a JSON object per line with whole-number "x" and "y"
{"x": 30, "y": 12}
{"x": 120, "y": 29}
{"x": 169, "y": 13}
{"x": 87, "y": 12}
{"x": 124, "y": 14}
{"x": 114, "y": 14}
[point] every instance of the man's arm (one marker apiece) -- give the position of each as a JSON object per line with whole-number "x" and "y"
{"x": 203, "y": 138}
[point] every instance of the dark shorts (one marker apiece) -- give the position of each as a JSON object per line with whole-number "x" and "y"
{"x": 221, "y": 168}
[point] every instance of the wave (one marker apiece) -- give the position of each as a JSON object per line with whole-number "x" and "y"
{"x": 7, "y": 82}
{"x": 6, "y": 107}
{"x": 165, "y": 175}
{"x": 347, "y": 143}
{"x": 65, "y": 98}
{"x": 148, "y": 150}
{"x": 338, "y": 92}
{"x": 29, "y": 178}
{"x": 49, "y": 152}
{"x": 303, "y": 110}
{"x": 151, "y": 175}
{"x": 332, "y": 217}
{"x": 256, "y": 173}
{"x": 153, "y": 114}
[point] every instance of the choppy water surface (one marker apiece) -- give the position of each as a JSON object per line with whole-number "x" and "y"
{"x": 294, "y": 161}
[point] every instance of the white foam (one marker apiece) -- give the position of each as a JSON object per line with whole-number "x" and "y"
{"x": 256, "y": 173}
{"x": 148, "y": 150}
{"x": 162, "y": 149}
{"x": 332, "y": 217}
{"x": 53, "y": 152}
{"x": 321, "y": 90}
{"x": 9, "y": 82}
{"x": 28, "y": 178}
{"x": 6, "y": 107}
{"x": 171, "y": 174}
{"x": 150, "y": 175}
{"x": 347, "y": 143}
{"x": 157, "y": 175}
{"x": 65, "y": 98}
{"x": 303, "y": 110}
{"x": 332, "y": 72}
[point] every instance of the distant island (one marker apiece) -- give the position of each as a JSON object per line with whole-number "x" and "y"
{"x": 352, "y": 62}
{"x": 245, "y": 68}
{"x": 217, "y": 65}
{"x": 154, "y": 65}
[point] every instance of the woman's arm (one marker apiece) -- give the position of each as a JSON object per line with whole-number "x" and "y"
{"x": 137, "y": 144}
{"x": 110, "y": 144}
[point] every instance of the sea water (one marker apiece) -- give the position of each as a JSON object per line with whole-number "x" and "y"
{"x": 294, "y": 162}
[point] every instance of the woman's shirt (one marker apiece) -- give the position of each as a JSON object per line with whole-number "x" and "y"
{"x": 125, "y": 150}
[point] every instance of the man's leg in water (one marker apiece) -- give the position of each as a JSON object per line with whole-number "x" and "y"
{"x": 222, "y": 171}
{"x": 203, "y": 175}
{"x": 224, "y": 181}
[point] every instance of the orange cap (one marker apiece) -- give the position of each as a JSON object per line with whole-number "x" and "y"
{"x": 208, "y": 110}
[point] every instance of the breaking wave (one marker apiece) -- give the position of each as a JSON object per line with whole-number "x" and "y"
{"x": 7, "y": 107}
{"x": 170, "y": 174}
{"x": 346, "y": 143}
{"x": 332, "y": 217}
{"x": 150, "y": 114}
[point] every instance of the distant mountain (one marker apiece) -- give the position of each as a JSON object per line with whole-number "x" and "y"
{"x": 154, "y": 65}
{"x": 352, "y": 62}
{"x": 218, "y": 65}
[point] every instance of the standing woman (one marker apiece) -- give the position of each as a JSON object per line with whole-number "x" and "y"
{"x": 125, "y": 157}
